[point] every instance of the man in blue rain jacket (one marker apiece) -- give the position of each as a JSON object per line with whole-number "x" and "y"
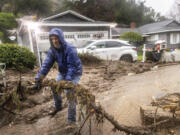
{"x": 69, "y": 66}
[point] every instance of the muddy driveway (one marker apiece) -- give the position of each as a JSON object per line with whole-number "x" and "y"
{"x": 128, "y": 93}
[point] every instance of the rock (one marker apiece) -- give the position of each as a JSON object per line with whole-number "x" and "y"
{"x": 130, "y": 74}
{"x": 154, "y": 68}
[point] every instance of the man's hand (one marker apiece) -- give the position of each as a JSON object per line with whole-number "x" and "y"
{"x": 37, "y": 85}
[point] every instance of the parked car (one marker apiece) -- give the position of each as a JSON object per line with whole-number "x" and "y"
{"x": 110, "y": 49}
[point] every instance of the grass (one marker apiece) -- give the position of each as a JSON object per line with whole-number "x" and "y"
{"x": 140, "y": 55}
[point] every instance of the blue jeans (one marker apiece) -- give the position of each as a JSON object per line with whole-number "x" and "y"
{"x": 71, "y": 104}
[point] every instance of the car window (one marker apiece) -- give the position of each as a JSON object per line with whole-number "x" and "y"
{"x": 113, "y": 44}
{"x": 100, "y": 45}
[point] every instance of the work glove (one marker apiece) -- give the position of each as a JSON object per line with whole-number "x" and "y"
{"x": 37, "y": 85}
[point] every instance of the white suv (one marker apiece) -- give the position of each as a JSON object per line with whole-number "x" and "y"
{"x": 110, "y": 49}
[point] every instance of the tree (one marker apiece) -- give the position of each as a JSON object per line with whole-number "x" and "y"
{"x": 95, "y": 9}
{"x": 7, "y": 22}
{"x": 2, "y": 2}
{"x": 175, "y": 11}
{"x": 28, "y": 7}
{"x": 120, "y": 11}
{"x": 132, "y": 37}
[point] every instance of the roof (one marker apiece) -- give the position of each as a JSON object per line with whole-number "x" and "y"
{"x": 152, "y": 28}
{"x": 95, "y": 22}
{"x": 158, "y": 27}
{"x": 63, "y": 24}
{"x": 51, "y": 21}
{"x": 68, "y": 12}
{"x": 119, "y": 31}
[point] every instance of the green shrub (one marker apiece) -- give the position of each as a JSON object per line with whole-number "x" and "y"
{"x": 132, "y": 37}
{"x": 88, "y": 59}
{"x": 7, "y": 22}
{"x": 16, "y": 56}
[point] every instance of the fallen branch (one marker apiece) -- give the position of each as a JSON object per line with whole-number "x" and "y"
{"x": 158, "y": 124}
{"x": 9, "y": 96}
{"x": 7, "y": 110}
{"x": 121, "y": 127}
{"x": 12, "y": 96}
{"x": 86, "y": 98}
{"x": 83, "y": 123}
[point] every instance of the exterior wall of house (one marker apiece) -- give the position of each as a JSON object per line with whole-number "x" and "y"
{"x": 38, "y": 41}
{"x": 43, "y": 41}
{"x": 172, "y": 39}
{"x": 24, "y": 40}
{"x": 163, "y": 36}
{"x": 150, "y": 40}
{"x": 75, "y": 29}
{"x": 168, "y": 40}
{"x": 35, "y": 46}
{"x": 73, "y": 35}
{"x": 76, "y": 36}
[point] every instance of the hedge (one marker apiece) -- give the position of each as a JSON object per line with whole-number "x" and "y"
{"x": 16, "y": 56}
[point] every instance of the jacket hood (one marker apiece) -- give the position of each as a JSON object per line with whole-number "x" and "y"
{"x": 58, "y": 32}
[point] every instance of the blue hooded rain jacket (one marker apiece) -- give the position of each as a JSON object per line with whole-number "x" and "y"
{"x": 69, "y": 64}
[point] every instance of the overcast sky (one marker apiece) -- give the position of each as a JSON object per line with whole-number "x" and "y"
{"x": 162, "y": 6}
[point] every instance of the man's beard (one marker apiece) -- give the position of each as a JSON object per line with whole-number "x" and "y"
{"x": 57, "y": 46}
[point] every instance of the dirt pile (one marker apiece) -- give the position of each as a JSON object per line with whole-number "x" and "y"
{"x": 33, "y": 116}
{"x": 100, "y": 78}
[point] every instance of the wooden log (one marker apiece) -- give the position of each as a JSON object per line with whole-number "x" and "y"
{"x": 152, "y": 115}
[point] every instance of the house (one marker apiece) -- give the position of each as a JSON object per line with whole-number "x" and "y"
{"x": 168, "y": 30}
{"x": 76, "y": 27}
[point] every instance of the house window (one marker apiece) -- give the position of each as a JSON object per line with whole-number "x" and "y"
{"x": 84, "y": 36}
{"x": 43, "y": 36}
{"x": 99, "y": 35}
{"x": 68, "y": 36}
{"x": 174, "y": 38}
{"x": 153, "y": 38}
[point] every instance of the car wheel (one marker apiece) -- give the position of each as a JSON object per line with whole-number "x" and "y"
{"x": 126, "y": 58}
